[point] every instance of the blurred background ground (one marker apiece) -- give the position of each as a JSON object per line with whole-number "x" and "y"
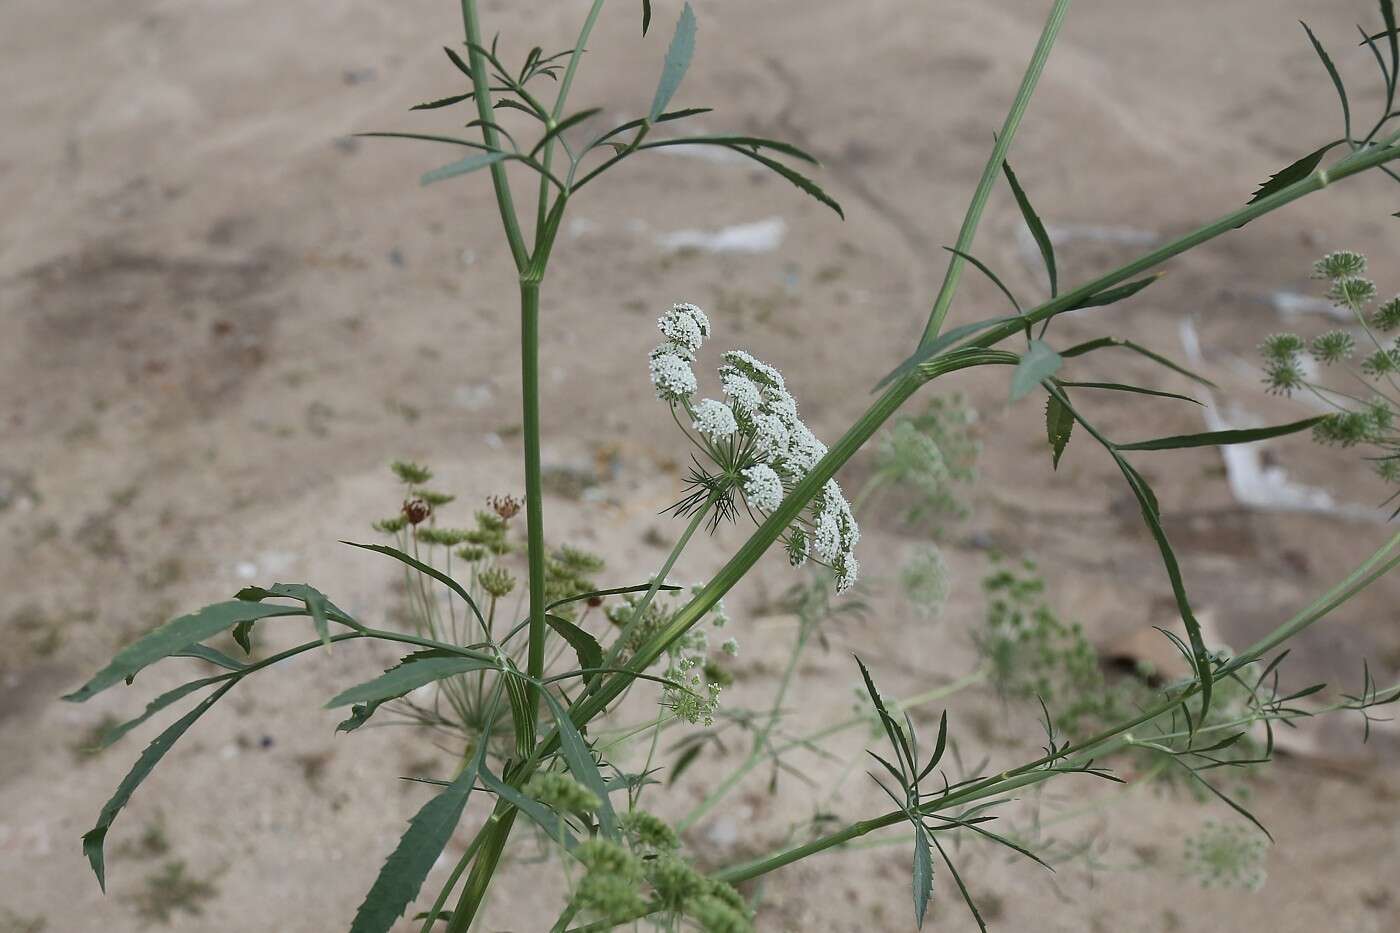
{"x": 220, "y": 317}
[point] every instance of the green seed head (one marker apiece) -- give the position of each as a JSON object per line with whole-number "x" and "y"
{"x": 1341, "y": 264}
{"x": 1333, "y": 347}
{"x": 498, "y": 581}
{"x": 1352, "y": 292}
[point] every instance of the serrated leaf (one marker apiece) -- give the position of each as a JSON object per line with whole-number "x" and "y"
{"x": 556, "y": 829}
{"x": 735, "y": 142}
{"x": 212, "y": 656}
{"x": 456, "y": 59}
{"x": 1101, "y": 342}
{"x": 1059, "y": 424}
{"x": 462, "y": 167}
{"x": 586, "y": 647}
{"x": 1293, "y": 173}
{"x": 408, "y": 865}
{"x": 175, "y": 635}
{"x": 1223, "y": 438}
{"x": 923, "y": 875}
{"x": 1114, "y": 295}
{"x": 408, "y": 675}
{"x": 443, "y": 101}
{"x": 360, "y": 714}
{"x": 110, "y": 736}
{"x": 678, "y": 56}
{"x": 579, "y": 759}
{"x": 1037, "y": 229}
{"x": 795, "y": 177}
{"x": 1038, "y": 363}
{"x": 315, "y": 601}
{"x": 94, "y": 838}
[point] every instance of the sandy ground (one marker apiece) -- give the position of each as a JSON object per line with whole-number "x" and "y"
{"x": 221, "y": 317}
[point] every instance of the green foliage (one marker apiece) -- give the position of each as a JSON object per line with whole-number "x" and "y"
{"x": 932, "y": 454}
{"x": 1227, "y": 855}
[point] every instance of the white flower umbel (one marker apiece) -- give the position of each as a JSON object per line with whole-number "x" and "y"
{"x": 714, "y": 419}
{"x": 757, "y": 443}
{"x": 685, "y": 325}
{"x": 671, "y": 375}
{"x": 762, "y": 487}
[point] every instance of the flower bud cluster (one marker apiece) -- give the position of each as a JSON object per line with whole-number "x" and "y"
{"x": 757, "y": 439}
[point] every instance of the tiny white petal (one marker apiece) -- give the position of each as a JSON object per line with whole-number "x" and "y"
{"x": 762, "y": 487}
{"x": 672, "y": 376}
{"x": 714, "y": 419}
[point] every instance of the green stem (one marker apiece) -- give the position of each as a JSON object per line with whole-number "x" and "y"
{"x": 481, "y": 85}
{"x": 1106, "y": 742}
{"x": 534, "y": 496}
{"x": 758, "y": 757}
{"x": 492, "y": 840}
{"x": 640, "y": 612}
{"x": 1351, "y": 165}
{"x": 992, "y": 169}
{"x": 565, "y": 85}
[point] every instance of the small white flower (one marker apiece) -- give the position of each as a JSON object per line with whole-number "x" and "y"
{"x": 770, "y": 435}
{"x": 672, "y": 376}
{"x": 804, "y": 450}
{"x": 757, "y": 370}
{"x": 779, "y": 403}
{"x": 730, "y": 647}
{"x": 714, "y": 419}
{"x": 826, "y": 537}
{"x": 762, "y": 487}
{"x": 741, "y": 391}
{"x": 685, "y": 325}
{"x": 847, "y": 570}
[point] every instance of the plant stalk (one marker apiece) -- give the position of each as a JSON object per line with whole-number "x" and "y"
{"x": 992, "y": 170}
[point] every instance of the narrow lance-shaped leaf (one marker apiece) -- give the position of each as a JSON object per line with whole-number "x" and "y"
{"x": 586, "y": 647}
{"x": 173, "y": 636}
{"x": 111, "y": 735}
{"x": 923, "y": 874}
{"x": 1098, "y": 344}
{"x": 1151, "y": 513}
{"x": 678, "y": 57}
{"x": 404, "y": 871}
{"x": 1224, "y": 438}
{"x": 646, "y": 16}
{"x": 1332, "y": 73}
{"x": 1114, "y": 295}
{"x": 1293, "y": 173}
{"x": 443, "y": 102}
{"x": 1152, "y": 516}
{"x": 1135, "y": 390}
{"x": 462, "y": 167}
{"x": 1037, "y": 229}
{"x": 428, "y": 569}
{"x": 406, "y": 676}
{"x": 555, "y": 828}
{"x": 986, "y": 270}
{"x": 892, "y": 731}
{"x": 1038, "y": 363}
{"x": 580, "y": 761}
{"x": 94, "y": 838}
{"x": 456, "y": 59}
{"x": 1059, "y": 424}
{"x": 797, "y": 178}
